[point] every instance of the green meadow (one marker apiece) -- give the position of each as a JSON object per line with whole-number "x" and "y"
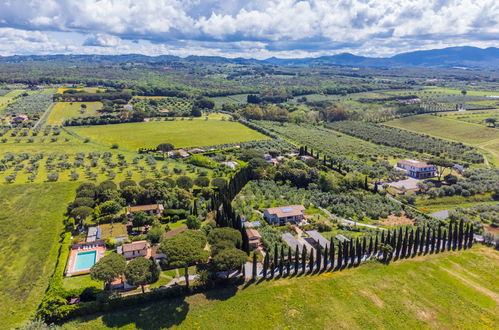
{"x": 65, "y": 110}
{"x": 446, "y": 291}
{"x": 181, "y": 133}
{"x": 31, "y": 220}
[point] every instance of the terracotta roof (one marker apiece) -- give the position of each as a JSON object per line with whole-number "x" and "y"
{"x": 148, "y": 207}
{"x": 135, "y": 246}
{"x": 415, "y": 163}
{"x": 253, "y": 233}
{"x": 286, "y": 211}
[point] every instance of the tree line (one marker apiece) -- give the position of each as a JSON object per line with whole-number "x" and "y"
{"x": 396, "y": 244}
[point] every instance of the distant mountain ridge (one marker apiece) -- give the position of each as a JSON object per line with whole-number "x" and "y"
{"x": 465, "y": 56}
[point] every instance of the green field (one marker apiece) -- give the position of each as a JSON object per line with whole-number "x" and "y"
{"x": 446, "y": 291}
{"x": 452, "y": 129}
{"x": 181, "y": 134}
{"x": 31, "y": 220}
{"x": 475, "y": 117}
{"x": 65, "y": 110}
{"x": 450, "y": 91}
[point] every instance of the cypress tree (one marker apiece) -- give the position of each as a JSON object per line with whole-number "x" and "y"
{"x": 281, "y": 263}
{"x": 346, "y": 251}
{"x": 403, "y": 252}
{"x": 331, "y": 252}
{"x": 311, "y": 261}
{"x": 433, "y": 240}
{"x": 470, "y": 236}
{"x": 340, "y": 255}
{"x": 428, "y": 241}
{"x": 376, "y": 245}
{"x": 253, "y": 275}
{"x": 351, "y": 253}
{"x": 388, "y": 239}
{"x": 422, "y": 240}
{"x": 276, "y": 258}
{"x": 297, "y": 260}
{"x": 460, "y": 234}
{"x": 303, "y": 259}
{"x": 399, "y": 242}
{"x": 288, "y": 263}
{"x": 265, "y": 264}
{"x": 455, "y": 237}
{"x": 393, "y": 242}
{"x": 416, "y": 242}
{"x": 364, "y": 245}
{"x": 449, "y": 237}
{"x": 359, "y": 252}
{"x": 324, "y": 261}
{"x": 371, "y": 247}
{"x": 319, "y": 258}
{"x": 439, "y": 239}
{"x": 410, "y": 245}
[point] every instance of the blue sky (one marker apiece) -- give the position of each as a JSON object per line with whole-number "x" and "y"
{"x": 232, "y": 28}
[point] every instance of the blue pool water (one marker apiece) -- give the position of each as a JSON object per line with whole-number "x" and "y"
{"x": 85, "y": 260}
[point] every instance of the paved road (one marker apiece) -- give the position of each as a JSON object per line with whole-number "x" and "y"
{"x": 348, "y": 222}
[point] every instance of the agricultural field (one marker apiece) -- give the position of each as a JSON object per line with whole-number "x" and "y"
{"x": 34, "y": 104}
{"x": 475, "y": 117}
{"x": 181, "y": 133}
{"x": 9, "y": 97}
{"x": 65, "y": 110}
{"x": 230, "y": 99}
{"x": 31, "y": 221}
{"x": 83, "y": 89}
{"x": 469, "y": 92}
{"x": 451, "y": 129}
{"x": 167, "y": 105}
{"x": 446, "y": 290}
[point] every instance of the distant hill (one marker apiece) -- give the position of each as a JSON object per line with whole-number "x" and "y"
{"x": 435, "y": 58}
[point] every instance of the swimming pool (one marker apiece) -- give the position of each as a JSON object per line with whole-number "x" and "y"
{"x": 85, "y": 260}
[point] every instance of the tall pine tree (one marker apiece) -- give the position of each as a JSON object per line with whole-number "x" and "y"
{"x": 265, "y": 264}
{"x": 297, "y": 260}
{"x": 253, "y": 275}
{"x": 303, "y": 259}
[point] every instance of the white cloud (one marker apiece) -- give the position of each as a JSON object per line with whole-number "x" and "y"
{"x": 102, "y": 40}
{"x": 368, "y": 27}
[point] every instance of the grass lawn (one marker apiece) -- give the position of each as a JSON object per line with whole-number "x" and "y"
{"x": 81, "y": 281}
{"x": 450, "y": 290}
{"x": 181, "y": 134}
{"x": 450, "y": 91}
{"x": 65, "y": 110}
{"x": 30, "y": 223}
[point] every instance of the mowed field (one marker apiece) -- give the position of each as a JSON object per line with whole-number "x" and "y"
{"x": 446, "y": 291}
{"x": 65, "y": 110}
{"x": 181, "y": 134}
{"x": 31, "y": 220}
{"x": 452, "y": 129}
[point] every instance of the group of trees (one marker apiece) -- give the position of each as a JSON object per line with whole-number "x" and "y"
{"x": 139, "y": 271}
{"x": 395, "y": 137}
{"x": 395, "y": 244}
{"x": 267, "y": 112}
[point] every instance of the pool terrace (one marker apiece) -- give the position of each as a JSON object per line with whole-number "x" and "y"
{"x": 83, "y": 256}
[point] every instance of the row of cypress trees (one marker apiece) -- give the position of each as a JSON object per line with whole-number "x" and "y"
{"x": 396, "y": 244}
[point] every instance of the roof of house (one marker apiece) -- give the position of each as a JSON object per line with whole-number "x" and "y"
{"x": 415, "y": 163}
{"x": 134, "y": 246}
{"x": 286, "y": 211}
{"x": 196, "y": 150}
{"x": 253, "y": 233}
{"x": 148, "y": 207}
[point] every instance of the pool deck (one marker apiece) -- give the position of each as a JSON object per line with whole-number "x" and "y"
{"x": 101, "y": 250}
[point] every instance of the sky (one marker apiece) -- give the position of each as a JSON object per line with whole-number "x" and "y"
{"x": 244, "y": 28}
